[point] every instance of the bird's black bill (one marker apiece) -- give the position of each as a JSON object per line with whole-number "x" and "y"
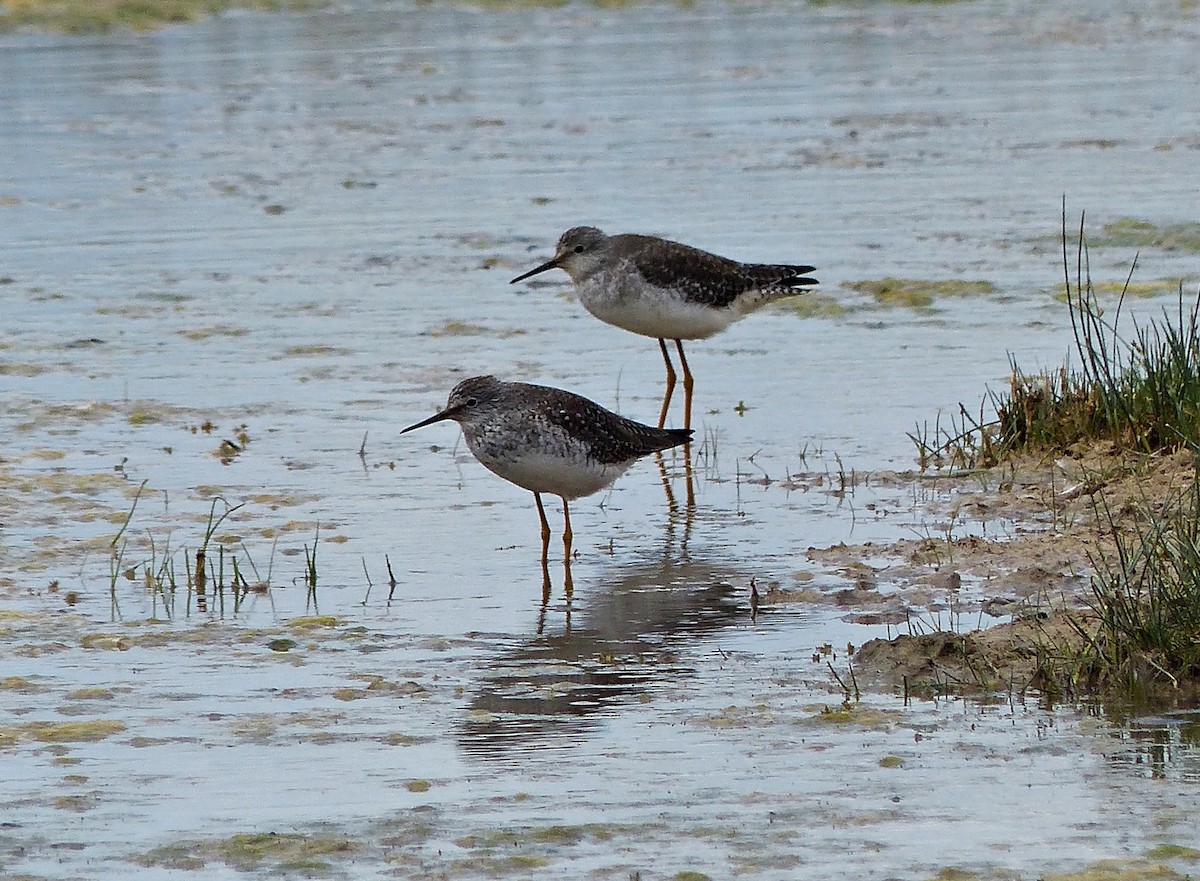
{"x": 548, "y": 265}
{"x": 448, "y": 413}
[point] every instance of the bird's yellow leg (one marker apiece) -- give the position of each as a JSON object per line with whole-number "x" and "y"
{"x": 662, "y": 416}
{"x": 688, "y": 382}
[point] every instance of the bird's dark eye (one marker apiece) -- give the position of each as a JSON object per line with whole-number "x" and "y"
{"x": 579, "y": 249}
{"x": 470, "y": 402}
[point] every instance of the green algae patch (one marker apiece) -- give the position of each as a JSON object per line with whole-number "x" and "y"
{"x": 690, "y": 876}
{"x": 813, "y": 304}
{"x": 183, "y": 855}
{"x": 197, "y": 334}
{"x": 397, "y": 738}
{"x": 557, "y": 834}
{"x": 39, "y": 414}
{"x": 1137, "y": 289}
{"x": 76, "y": 803}
{"x": 107, "y": 642}
{"x": 20, "y": 685}
{"x": 740, "y": 717}
{"x": 917, "y": 293}
{"x": 418, "y": 785}
{"x": 1120, "y": 870}
{"x": 47, "y": 455}
{"x": 143, "y": 417}
{"x": 1129, "y": 232}
{"x": 571, "y": 834}
{"x": 60, "y": 485}
{"x": 499, "y": 866}
{"x": 309, "y": 623}
{"x": 1173, "y": 852}
{"x": 247, "y": 852}
{"x": 458, "y": 328}
{"x": 314, "y": 349}
{"x": 854, "y": 714}
{"x": 74, "y": 732}
{"x": 10, "y": 368}
{"x": 953, "y": 873}
{"x": 278, "y": 500}
{"x": 891, "y": 762}
{"x": 91, "y": 694}
{"x": 517, "y": 849}
{"x": 258, "y": 728}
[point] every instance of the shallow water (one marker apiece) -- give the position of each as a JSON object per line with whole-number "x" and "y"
{"x": 294, "y": 232}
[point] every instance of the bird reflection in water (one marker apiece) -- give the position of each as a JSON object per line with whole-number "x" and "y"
{"x": 680, "y": 520}
{"x": 554, "y": 688}
{"x": 664, "y": 475}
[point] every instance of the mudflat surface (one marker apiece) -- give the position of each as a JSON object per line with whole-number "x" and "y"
{"x": 239, "y": 252}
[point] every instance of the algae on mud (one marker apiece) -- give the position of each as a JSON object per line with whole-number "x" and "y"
{"x": 281, "y": 852}
{"x": 1129, "y": 232}
{"x": 918, "y": 293}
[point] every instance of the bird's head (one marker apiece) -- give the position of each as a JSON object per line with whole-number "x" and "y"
{"x": 580, "y": 252}
{"x": 465, "y": 400}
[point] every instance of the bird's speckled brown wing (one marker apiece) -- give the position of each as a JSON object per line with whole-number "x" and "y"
{"x": 709, "y": 278}
{"x": 611, "y": 439}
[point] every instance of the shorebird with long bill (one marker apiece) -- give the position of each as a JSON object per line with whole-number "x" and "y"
{"x": 666, "y": 290}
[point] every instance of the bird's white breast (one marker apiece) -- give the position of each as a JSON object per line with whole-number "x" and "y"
{"x": 626, "y": 301}
{"x": 541, "y": 472}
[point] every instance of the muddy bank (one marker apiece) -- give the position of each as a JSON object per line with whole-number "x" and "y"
{"x": 1010, "y": 611}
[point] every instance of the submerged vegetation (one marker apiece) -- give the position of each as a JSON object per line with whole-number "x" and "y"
{"x": 1135, "y": 395}
{"x": 919, "y": 293}
{"x": 1128, "y": 232}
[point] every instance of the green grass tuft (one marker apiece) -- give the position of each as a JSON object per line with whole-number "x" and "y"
{"x": 1146, "y": 596}
{"x": 1139, "y": 390}
{"x": 1140, "y": 393}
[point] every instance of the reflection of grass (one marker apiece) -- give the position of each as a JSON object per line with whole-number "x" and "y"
{"x": 89, "y": 16}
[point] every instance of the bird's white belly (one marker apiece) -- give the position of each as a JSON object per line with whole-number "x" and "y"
{"x": 654, "y": 312}
{"x": 543, "y": 473}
